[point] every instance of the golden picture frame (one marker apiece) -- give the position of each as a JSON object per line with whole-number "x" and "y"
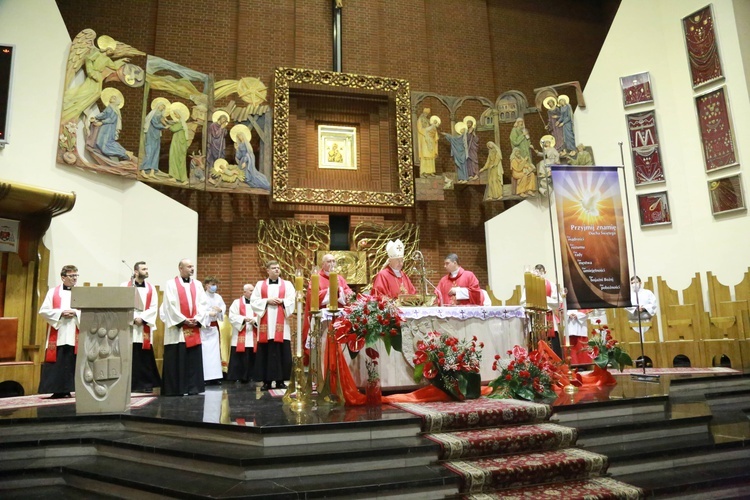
{"x": 332, "y": 82}
{"x": 337, "y": 147}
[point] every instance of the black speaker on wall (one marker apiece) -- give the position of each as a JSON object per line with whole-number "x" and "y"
{"x": 6, "y": 75}
{"x": 339, "y": 231}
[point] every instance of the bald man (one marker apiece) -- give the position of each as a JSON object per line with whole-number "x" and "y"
{"x": 244, "y": 323}
{"x": 183, "y": 311}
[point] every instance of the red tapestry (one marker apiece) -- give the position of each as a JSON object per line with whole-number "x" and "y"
{"x": 636, "y": 89}
{"x": 716, "y": 130}
{"x": 654, "y": 209}
{"x": 644, "y": 148}
{"x": 726, "y": 194}
{"x": 703, "y": 51}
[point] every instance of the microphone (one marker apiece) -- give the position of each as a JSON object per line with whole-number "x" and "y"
{"x": 132, "y": 272}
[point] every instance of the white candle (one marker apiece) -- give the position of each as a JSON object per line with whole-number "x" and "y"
{"x": 298, "y": 347}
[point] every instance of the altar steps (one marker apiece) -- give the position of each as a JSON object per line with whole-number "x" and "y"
{"x": 134, "y": 460}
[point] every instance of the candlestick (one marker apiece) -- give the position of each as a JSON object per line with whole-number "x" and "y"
{"x": 315, "y": 291}
{"x": 298, "y": 283}
{"x": 333, "y": 291}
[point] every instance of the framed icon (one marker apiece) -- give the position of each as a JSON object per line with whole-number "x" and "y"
{"x": 726, "y": 195}
{"x": 653, "y": 209}
{"x": 337, "y": 147}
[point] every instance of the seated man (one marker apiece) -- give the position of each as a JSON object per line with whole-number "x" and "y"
{"x": 459, "y": 287}
{"x": 391, "y": 281}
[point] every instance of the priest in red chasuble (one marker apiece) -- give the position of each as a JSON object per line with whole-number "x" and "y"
{"x": 459, "y": 287}
{"x": 391, "y": 281}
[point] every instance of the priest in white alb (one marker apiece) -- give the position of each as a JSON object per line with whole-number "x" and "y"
{"x": 58, "y": 369}
{"x": 273, "y": 302}
{"x": 211, "y": 333}
{"x": 145, "y": 373}
{"x": 644, "y": 304}
{"x": 184, "y": 311}
{"x": 244, "y": 322}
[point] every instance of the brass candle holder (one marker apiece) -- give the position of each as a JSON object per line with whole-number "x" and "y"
{"x": 314, "y": 370}
{"x": 570, "y": 374}
{"x": 295, "y": 397}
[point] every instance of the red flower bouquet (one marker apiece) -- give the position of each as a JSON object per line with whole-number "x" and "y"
{"x": 527, "y": 376}
{"x": 606, "y": 350}
{"x": 367, "y": 320}
{"x": 450, "y": 364}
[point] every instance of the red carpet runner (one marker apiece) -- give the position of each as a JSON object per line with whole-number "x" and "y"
{"x": 506, "y": 449}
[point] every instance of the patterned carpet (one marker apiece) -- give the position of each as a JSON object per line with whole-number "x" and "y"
{"x": 507, "y": 449}
{"x": 138, "y": 400}
{"x": 718, "y": 370}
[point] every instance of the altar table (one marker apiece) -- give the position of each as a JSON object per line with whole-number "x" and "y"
{"x": 500, "y": 328}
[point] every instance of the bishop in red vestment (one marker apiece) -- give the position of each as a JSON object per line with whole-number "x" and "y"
{"x": 459, "y": 287}
{"x": 391, "y": 281}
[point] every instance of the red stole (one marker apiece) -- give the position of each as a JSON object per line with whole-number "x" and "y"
{"x": 191, "y": 333}
{"x": 50, "y": 354}
{"x": 146, "y": 328}
{"x": 241, "y": 334}
{"x": 278, "y": 334}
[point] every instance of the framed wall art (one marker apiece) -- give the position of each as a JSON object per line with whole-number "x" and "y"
{"x": 726, "y": 195}
{"x": 715, "y": 125}
{"x": 636, "y": 89}
{"x": 337, "y": 147}
{"x": 644, "y": 148}
{"x": 653, "y": 209}
{"x": 702, "y": 47}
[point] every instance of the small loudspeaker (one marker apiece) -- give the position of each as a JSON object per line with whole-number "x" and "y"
{"x": 6, "y": 76}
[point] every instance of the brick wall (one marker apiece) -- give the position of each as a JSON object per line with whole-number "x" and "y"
{"x": 451, "y": 47}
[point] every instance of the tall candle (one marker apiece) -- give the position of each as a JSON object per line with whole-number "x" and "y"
{"x": 541, "y": 293}
{"x": 333, "y": 291}
{"x": 315, "y": 292}
{"x": 527, "y": 288}
{"x": 298, "y": 346}
{"x": 298, "y": 283}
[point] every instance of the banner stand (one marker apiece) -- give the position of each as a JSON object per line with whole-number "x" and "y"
{"x": 638, "y": 377}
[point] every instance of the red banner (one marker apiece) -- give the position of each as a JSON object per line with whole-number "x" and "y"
{"x": 592, "y": 236}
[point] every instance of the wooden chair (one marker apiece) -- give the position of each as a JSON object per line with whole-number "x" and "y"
{"x": 683, "y": 322}
{"x": 12, "y": 365}
{"x": 515, "y": 299}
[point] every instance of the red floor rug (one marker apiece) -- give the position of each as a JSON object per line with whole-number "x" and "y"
{"x": 476, "y": 413}
{"x": 598, "y": 488}
{"x": 511, "y": 471}
{"x": 504, "y": 440}
{"x": 138, "y": 400}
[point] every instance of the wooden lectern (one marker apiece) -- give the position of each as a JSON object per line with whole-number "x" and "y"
{"x": 105, "y": 347}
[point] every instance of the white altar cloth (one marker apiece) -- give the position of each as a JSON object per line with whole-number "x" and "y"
{"x": 500, "y": 328}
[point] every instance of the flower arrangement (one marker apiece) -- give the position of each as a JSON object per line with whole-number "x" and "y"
{"x": 367, "y": 320}
{"x": 527, "y": 376}
{"x": 450, "y": 364}
{"x": 606, "y": 350}
{"x": 371, "y": 363}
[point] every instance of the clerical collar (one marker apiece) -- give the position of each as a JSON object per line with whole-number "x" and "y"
{"x": 455, "y": 273}
{"x": 397, "y": 272}
{"x": 185, "y": 280}
{"x": 273, "y": 282}
{"x": 142, "y": 284}
{"x": 67, "y": 287}
{"x": 247, "y": 301}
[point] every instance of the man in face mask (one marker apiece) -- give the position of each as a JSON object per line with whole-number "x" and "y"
{"x": 210, "y": 339}
{"x": 644, "y": 301}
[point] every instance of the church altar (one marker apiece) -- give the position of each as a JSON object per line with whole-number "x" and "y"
{"x": 499, "y": 327}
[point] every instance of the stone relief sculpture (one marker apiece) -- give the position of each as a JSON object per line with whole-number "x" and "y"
{"x": 472, "y": 148}
{"x": 553, "y": 120}
{"x": 245, "y": 158}
{"x": 494, "y": 168}
{"x": 181, "y": 139}
{"x": 550, "y": 157}
{"x": 524, "y": 174}
{"x": 458, "y": 150}
{"x": 582, "y": 157}
{"x": 216, "y": 141}
{"x": 427, "y": 142}
{"x": 566, "y": 122}
{"x": 92, "y": 62}
{"x": 154, "y": 124}
{"x": 520, "y": 139}
{"x": 106, "y": 128}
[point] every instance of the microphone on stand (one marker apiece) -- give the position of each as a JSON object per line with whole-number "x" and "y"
{"x": 132, "y": 272}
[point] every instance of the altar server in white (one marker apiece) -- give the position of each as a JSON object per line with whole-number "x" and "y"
{"x": 211, "y": 333}
{"x": 244, "y": 322}
{"x": 145, "y": 374}
{"x": 273, "y": 302}
{"x": 58, "y": 369}
{"x": 644, "y": 303}
{"x": 184, "y": 311}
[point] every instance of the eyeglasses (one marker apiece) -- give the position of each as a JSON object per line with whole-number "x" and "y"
{"x": 72, "y": 275}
